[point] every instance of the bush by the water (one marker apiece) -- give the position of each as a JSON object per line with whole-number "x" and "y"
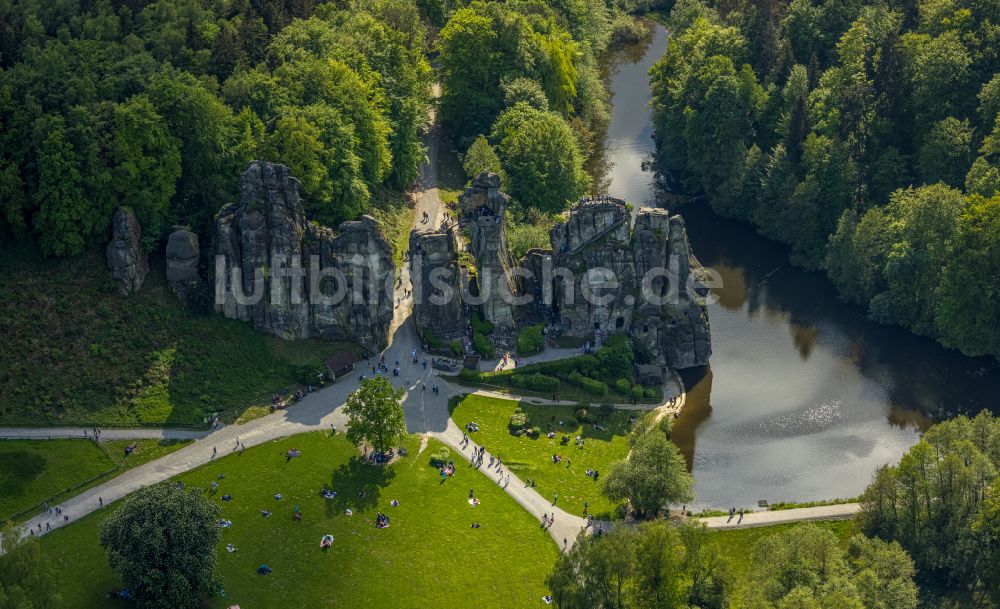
{"x": 530, "y": 340}
{"x": 626, "y": 29}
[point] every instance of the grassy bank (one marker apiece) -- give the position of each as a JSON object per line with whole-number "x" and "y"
{"x": 529, "y": 457}
{"x": 77, "y": 352}
{"x": 33, "y": 471}
{"x": 429, "y": 556}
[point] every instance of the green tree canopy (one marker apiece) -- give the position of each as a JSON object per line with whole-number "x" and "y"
{"x": 806, "y": 566}
{"x": 541, "y": 158}
{"x": 652, "y": 477}
{"x": 654, "y": 566}
{"x": 481, "y": 157}
{"x": 27, "y": 578}
{"x": 161, "y": 540}
{"x": 932, "y": 501}
{"x": 375, "y": 415}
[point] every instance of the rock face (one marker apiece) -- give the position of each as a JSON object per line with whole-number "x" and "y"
{"x": 294, "y": 279}
{"x": 598, "y": 295}
{"x": 483, "y": 207}
{"x": 437, "y": 295}
{"x": 183, "y": 255}
{"x": 644, "y": 281}
{"x": 127, "y": 261}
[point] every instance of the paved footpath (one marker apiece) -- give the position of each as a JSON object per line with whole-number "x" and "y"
{"x": 114, "y": 433}
{"x": 840, "y": 511}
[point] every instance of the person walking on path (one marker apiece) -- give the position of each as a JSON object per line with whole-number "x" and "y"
{"x": 214, "y": 452}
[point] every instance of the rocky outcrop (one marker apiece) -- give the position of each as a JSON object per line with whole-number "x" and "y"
{"x": 296, "y": 279}
{"x": 435, "y": 274}
{"x": 687, "y": 339}
{"x": 127, "y": 261}
{"x": 644, "y": 281}
{"x": 183, "y": 256}
{"x": 596, "y": 297}
{"x": 483, "y": 207}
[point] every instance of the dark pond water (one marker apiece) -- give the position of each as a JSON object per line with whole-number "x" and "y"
{"x": 804, "y": 397}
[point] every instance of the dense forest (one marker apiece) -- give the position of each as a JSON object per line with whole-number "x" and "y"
{"x": 865, "y": 135}
{"x": 522, "y": 93}
{"x": 160, "y": 105}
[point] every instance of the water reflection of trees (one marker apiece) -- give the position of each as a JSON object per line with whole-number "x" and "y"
{"x": 918, "y": 374}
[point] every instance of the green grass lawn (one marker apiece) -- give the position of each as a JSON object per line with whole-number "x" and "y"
{"x": 429, "y": 556}
{"x": 31, "y": 471}
{"x": 77, "y": 352}
{"x": 532, "y": 458}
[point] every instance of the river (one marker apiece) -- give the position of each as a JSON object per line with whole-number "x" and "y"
{"x": 804, "y": 397}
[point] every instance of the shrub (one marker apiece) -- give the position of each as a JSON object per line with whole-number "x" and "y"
{"x": 535, "y": 382}
{"x": 482, "y": 345}
{"x": 637, "y": 392}
{"x": 583, "y": 416}
{"x": 308, "y": 374}
{"x": 518, "y": 420}
{"x": 535, "y": 432}
{"x": 480, "y": 325}
{"x": 432, "y": 341}
{"x": 456, "y": 348}
{"x": 643, "y": 354}
{"x": 470, "y": 375}
{"x": 623, "y": 386}
{"x": 616, "y": 357}
{"x": 530, "y": 340}
{"x": 626, "y": 29}
{"x": 588, "y": 384}
{"x": 649, "y": 393}
{"x": 441, "y": 457}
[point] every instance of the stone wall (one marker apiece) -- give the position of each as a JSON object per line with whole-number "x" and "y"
{"x": 342, "y": 287}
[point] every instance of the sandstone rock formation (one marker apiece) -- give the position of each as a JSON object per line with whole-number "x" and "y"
{"x": 643, "y": 281}
{"x": 483, "y": 207}
{"x": 183, "y": 255}
{"x": 296, "y": 279}
{"x": 594, "y": 245}
{"x": 437, "y": 296}
{"x": 127, "y": 261}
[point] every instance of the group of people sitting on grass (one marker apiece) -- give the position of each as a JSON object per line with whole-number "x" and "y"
{"x": 471, "y": 426}
{"x": 593, "y": 473}
{"x": 326, "y": 542}
{"x": 327, "y": 493}
{"x": 291, "y": 454}
{"x": 381, "y": 521}
{"x": 557, "y": 458}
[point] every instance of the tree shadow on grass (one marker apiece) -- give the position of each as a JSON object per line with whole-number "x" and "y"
{"x": 358, "y": 485}
{"x": 18, "y": 469}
